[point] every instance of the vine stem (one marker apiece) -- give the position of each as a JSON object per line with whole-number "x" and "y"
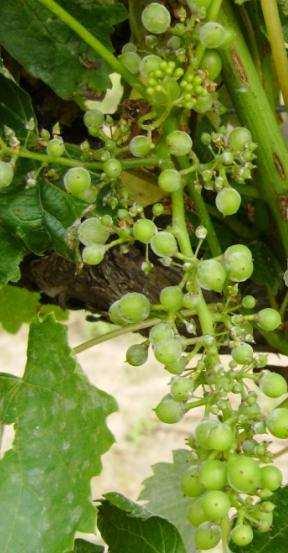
{"x": 277, "y": 42}
{"x": 114, "y": 334}
{"x": 93, "y": 42}
{"x": 280, "y": 453}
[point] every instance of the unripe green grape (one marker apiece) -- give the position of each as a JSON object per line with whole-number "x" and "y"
{"x": 77, "y": 180}
{"x": 116, "y": 315}
{"x": 169, "y": 411}
{"x": 243, "y": 354}
{"x": 269, "y": 319}
{"x": 156, "y": 18}
{"x": 137, "y": 355}
{"x": 222, "y": 437}
{"x": 191, "y": 485}
{"x": 212, "y": 63}
{"x": 135, "y": 307}
{"x": 211, "y": 275}
{"x": 239, "y": 139}
{"x": 272, "y": 478}
{"x": 203, "y": 432}
{"x": 55, "y": 147}
{"x": 181, "y": 388}
{"x": 207, "y": 536}
{"x": 131, "y": 60}
{"x": 144, "y": 230}
{"x": 273, "y": 384}
{"x": 216, "y": 505}
{"x": 6, "y": 174}
{"x": 179, "y": 143}
{"x": 140, "y": 146}
{"x": 195, "y": 513}
{"x": 93, "y": 118}
{"x": 203, "y": 103}
{"x": 265, "y": 521}
{"x": 244, "y": 474}
{"x": 249, "y": 302}
{"x": 191, "y": 301}
{"x": 228, "y": 201}
{"x": 160, "y": 333}
{"x": 92, "y": 231}
{"x": 277, "y": 423}
{"x": 242, "y": 534}
{"x": 158, "y": 210}
{"x": 149, "y": 64}
{"x": 212, "y": 34}
{"x": 129, "y": 47}
{"x": 213, "y": 474}
{"x": 164, "y": 244}
{"x": 93, "y": 254}
{"x": 168, "y": 352}
{"x": 227, "y": 157}
{"x": 267, "y": 507}
{"x": 238, "y": 262}
{"x": 177, "y": 366}
{"x": 112, "y": 168}
{"x": 170, "y": 180}
{"x": 171, "y": 298}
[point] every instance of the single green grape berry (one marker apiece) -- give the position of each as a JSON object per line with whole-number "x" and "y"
{"x": 92, "y": 231}
{"x": 93, "y": 254}
{"x": 195, "y": 513}
{"x": 228, "y": 201}
{"x": 203, "y": 432}
{"x": 169, "y": 410}
{"x": 239, "y": 139}
{"x": 264, "y": 521}
{"x": 244, "y": 474}
{"x": 116, "y": 315}
{"x": 158, "y": 210}
{"x": 179, "y": 143}
{"x": 273, "y": 384}
{"x": 212, "y": 34}
{"x": 164, "y": 244}
{"x": 227, "y": 157}
{"x": 112, "y": 168}
{"x": 238, "y": 262}
{"x": 191, "y": 301}
{"x": 171, "y": 298}
{"x": 277, "y": 423}
{"x": 55, "y": 147}
{"x": 177, "y": 366}
{"x": 6, "y": 174}
{"x": 212, "y": 63}
{"x": 242, "y": 534}
{"x": 135, "y": 307}
{"x": 144, "y": 230}
{"x": 269, "y": 319}
{"x": 216, "y": 505}
{"x": 203, "y": 103}
{"x": 77, "y": 180}
{"x": 181, "y": 388}
{"x": 213, "y": 474}
{"x": 148, "y": 65}
{"x": 191, "y": 485}
{"x": 168, "y": 352}
{"x": 170, "y": 180}
{"x": 131, "y": 60}
{"x": 140, "y": 146}
{"x": 222, "y": 437}
{"x": 93, "y": 118}
{"x": 211, "y": 275}
{"x": 156, "y": 18}
{"x": 129, "y": 47}
{"x": 272, "y": 478}
{"x": 137, "y": 354}
{"x": 242, "y": 354}
{"x": 207, "y": 536}
{"x": 161, "y": 332}
{"x": 249, "y": 302}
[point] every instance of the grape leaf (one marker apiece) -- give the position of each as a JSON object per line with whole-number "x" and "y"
{"x": 17, "y": 306}
{"x": 48, "y": 48}
{"x": 12, "y": 252}
{"x": 82, "y": 546}
{"x": 267, "y": 269}
{"x": 40, "y": 216}
{"x": 60, "y": 435}
{"x": 276, "y": 540}
{"x": 16, "y": 109}
{"x": 163, "y": 496}
{"x": 126, "y": 528}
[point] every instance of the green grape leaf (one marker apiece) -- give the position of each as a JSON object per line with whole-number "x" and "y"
{"x": 40, "y": 216}
{"x": 163, "y": 496}
{"x": 267, "y": 269}
{"x": 16, "y": 110}
{"x": 17, "y": 306}
{"x": 60, "y": 435}
{"x": 51, "y": 51}
{"x": 12, "y": 252}
{"x": 126, "y": 528}
{"x": 82, "y": 546}
{"x": 276, "y": 540}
